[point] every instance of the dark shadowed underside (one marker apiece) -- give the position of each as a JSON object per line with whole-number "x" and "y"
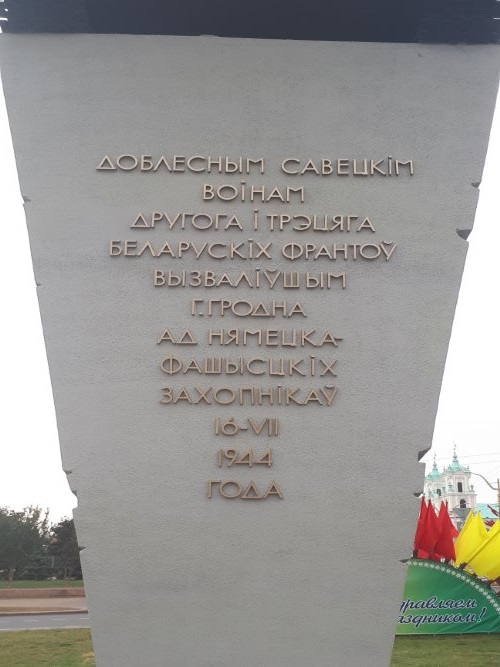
{"x": 428, "y": 21}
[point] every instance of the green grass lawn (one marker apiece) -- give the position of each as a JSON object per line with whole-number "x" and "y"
{"x": 73, "y": 648}
{"x": 46, "y": 648}
{"x": 451, "y": 651}
{"x": 55, "y": 583}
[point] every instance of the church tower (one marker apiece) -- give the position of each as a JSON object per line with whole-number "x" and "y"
{"x": 453, "y": 485}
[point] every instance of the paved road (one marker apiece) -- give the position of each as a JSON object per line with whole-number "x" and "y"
{"x": 43, "y": 621}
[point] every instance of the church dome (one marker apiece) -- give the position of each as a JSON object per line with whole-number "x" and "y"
{"x": 455, "y": 465}
{"x": 434, "y": 472}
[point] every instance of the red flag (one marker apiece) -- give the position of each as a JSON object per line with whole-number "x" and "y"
{"x": 450, "y": 522}
{"x": 444, "y": 544}
{"x": 431, "y": 531}
{"x": 420, "y": 525}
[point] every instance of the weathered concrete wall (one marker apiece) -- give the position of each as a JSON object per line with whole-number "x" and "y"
{"x": 172, "y": 576}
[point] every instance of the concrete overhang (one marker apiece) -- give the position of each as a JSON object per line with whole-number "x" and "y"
{"x": 424, "y": 21}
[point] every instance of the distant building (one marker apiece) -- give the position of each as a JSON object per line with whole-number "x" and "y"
{"x": 451, "y": 485}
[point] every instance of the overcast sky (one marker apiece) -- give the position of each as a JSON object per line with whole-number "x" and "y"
{"x": 469, "y": 408}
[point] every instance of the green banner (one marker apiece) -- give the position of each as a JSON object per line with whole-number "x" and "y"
{"x": 439, "y": 599}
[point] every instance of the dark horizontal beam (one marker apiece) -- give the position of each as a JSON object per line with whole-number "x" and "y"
{"x": 430, "y": 21}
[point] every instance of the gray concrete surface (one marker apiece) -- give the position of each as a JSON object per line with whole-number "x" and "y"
{"x": 42, "y": 604}
{"x": 171, "y": 575}
{"x": 43, "y": 622}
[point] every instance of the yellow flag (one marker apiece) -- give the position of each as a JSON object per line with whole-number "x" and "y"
{"x": 495, "y": 528}
{"x": 485, "y": 562}
{"x": 494, "y": 571}
{"x": 470, "y": 538}
{"x": 460, "y": 540}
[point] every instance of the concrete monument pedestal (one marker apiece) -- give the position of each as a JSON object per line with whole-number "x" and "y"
{"x": 248, "y": 264}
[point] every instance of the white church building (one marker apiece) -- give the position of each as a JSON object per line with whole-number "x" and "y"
{"x": 451, "y": 484}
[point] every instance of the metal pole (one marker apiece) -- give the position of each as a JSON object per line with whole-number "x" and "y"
{"x": 498, "y": 498}
{"x": 495, "y": 488}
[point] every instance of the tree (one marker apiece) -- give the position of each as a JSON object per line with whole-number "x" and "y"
{"x": 38, "y": 567}
{"x": 22, "y": 535}
{"x": 63, "y": 546}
